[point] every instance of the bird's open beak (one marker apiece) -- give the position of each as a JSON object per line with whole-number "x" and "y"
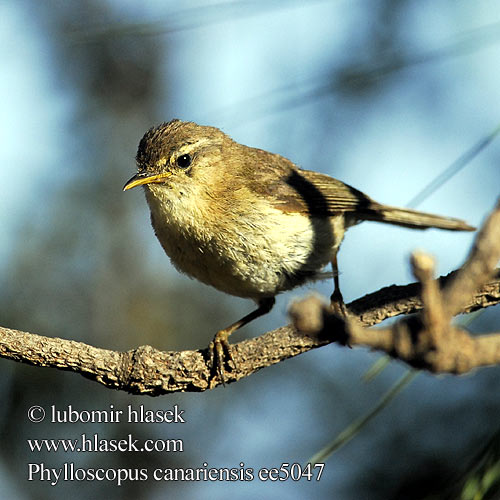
{"x": 145, "y": 178}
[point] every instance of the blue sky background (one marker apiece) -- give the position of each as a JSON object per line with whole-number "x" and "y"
{"x": 259, "y": 72}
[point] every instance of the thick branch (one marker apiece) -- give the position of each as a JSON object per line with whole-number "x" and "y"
{"x": 146, "y": 370}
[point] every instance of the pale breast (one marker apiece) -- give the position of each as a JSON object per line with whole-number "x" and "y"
{"x": 253, "y": 254}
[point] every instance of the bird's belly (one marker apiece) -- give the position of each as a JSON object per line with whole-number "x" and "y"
{"x": 256, "y": 258}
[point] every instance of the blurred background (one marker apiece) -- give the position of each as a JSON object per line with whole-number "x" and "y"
{"x": 382, "y": 94}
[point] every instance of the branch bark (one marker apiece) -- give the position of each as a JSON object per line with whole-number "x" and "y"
{"x": 427, "y": 341}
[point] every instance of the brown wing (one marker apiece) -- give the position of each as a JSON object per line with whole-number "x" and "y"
{"x": 324, "y": 195}
{"x": 295, "y": 190}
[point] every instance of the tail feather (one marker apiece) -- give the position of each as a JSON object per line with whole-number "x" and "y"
{"x": 415, "y": 219}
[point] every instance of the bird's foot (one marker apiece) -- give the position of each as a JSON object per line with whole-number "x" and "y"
{"x": 220, "y": 357}
{"x": 337, "y": 304}
{"x": 338, "y": 307}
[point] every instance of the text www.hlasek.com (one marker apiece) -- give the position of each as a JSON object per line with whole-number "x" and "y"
{"x": 94, "y": 443}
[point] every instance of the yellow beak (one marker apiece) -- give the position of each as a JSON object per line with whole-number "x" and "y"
{"x": 141, "y": 179}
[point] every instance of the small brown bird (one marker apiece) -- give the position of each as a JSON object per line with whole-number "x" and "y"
{"x": 248, "y": 222}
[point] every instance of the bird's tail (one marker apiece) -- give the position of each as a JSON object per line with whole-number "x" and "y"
{"x": 414, "y": 219}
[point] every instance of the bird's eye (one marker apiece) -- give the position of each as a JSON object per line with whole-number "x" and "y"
{"x": 184, "y": 161}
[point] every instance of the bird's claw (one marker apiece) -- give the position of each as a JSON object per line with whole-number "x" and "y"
{"x": 220, "y": 357}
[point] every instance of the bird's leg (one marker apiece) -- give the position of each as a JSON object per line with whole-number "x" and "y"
{"x": 336, "y": 300}
{"x": 219, "y": 348}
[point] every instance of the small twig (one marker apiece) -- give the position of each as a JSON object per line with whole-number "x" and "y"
{"x": 433, "y": 315}
{"x": 480, "y": 265}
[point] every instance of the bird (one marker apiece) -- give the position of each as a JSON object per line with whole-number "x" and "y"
{"x": 248, "y": 222}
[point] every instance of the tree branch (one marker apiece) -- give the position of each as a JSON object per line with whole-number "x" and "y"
{"x": 427, "y": 341}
